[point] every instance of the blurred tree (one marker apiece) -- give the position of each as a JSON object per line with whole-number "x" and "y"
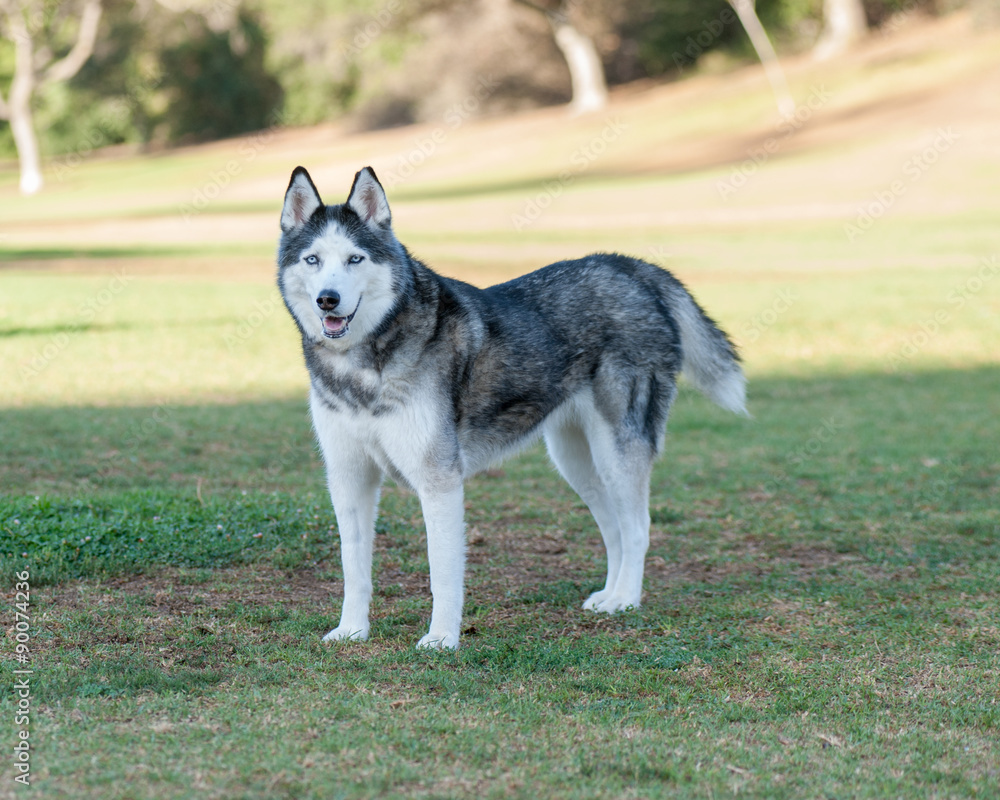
{"x": 323, "y": 51}
{"x": 746, "y": 11}
{"x": 34, "y": 27}
{"x": 163, "y": 71}
{"x": 672, "y": 36}
{"x": 217, "y": 83}
{"x": 114, "y": 98}
{"x": 590, "y": 88}
{"x": 843, "y": 24}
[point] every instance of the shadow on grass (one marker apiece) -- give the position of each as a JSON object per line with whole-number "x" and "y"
{"x": 89, "y": 451}
{"x": 829, "y": 459}
{"x": 11, "y": 256}
{"x": 91, "y": 327}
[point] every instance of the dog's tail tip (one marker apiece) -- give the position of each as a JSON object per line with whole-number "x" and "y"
{"x": 727, "y": 390}
{"x": 710, "y": 359}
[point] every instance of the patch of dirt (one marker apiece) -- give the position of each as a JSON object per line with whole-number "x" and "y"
{"x": 752, "y": 559}
{"x": 172, "y": 593}
{"x": 505, "y": 565}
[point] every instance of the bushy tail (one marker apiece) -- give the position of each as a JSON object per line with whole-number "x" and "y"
{"x": 710, "y": 359}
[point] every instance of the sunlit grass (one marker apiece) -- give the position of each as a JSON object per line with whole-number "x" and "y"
{"x": 155, "y": 330}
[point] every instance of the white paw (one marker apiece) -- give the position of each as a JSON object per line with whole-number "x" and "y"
{"x": 345, "y": 633}
{"x": 593, "y": 602}
{"x": 438, "y": 641}
{"x": 607, "y": 603}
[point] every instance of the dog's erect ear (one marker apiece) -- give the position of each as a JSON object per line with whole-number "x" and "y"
{"x": 301, "y": 201}
{"x": 367, "y": 200}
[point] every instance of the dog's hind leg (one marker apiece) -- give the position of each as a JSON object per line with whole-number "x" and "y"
{"x": 625, "y": 471}
{"x": 610, "y": 469}
{"x": 570, "y": 452}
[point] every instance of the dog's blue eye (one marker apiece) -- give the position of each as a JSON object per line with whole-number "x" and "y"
{"x": 355, "y": 259}
{"x": 312, "y": 260}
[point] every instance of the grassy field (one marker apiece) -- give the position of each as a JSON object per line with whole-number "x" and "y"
{"x": 822, "y": 611}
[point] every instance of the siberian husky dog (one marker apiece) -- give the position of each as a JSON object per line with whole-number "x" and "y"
{"x": 429, "y": 380}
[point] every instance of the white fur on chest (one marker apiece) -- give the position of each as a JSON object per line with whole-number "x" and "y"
{"x": 403, "y": 437}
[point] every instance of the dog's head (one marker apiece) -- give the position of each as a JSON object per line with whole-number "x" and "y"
{"x": 335, "y": 263}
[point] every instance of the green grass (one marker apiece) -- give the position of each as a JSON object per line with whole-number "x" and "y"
{"x": 820, "y": 620}
{"x": 821, "y": 613}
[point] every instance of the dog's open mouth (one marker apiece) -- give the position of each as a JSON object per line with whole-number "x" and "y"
{"x": 334, "y": 327}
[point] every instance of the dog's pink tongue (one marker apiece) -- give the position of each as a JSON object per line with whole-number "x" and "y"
{"x": 334, "y": 324}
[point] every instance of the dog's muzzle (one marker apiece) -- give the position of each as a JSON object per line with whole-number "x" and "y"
{"x": 333, "y": 326}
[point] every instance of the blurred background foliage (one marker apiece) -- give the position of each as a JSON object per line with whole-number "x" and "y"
{"x": 166, "y": 73}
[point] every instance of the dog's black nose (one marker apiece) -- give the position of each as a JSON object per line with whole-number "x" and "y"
{"x": 328, "y": 300}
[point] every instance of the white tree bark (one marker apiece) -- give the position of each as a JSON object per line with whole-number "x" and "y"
{"x": 590, "y": 91}
{"x": 29, "y": 75}
{"x": 747, "y": 13}
{"x": 844, "y": 23}
{"x": 586, "y": 73}
{"x": 23, "y": 128}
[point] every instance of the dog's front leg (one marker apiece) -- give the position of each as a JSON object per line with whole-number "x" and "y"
{"x": 444, "y": 517}
{"x": 354, "y": 491}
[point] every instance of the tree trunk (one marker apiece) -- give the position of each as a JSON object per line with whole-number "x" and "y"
{"x": 18, "y": 109}
{"x": 844, "y": 23}
{"x": 590, "y": 91}
{"x": 28, "y": 75}
{"x": 586, "y": 73}
{"x": 23, "y": 129}
{"x": 765, "y": 52}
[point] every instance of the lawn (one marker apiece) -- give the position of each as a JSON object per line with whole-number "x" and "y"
{"x": 821, "y": 614}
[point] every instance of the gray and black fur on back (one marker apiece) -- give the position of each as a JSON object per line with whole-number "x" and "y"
{"x": 506, "y": 357}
